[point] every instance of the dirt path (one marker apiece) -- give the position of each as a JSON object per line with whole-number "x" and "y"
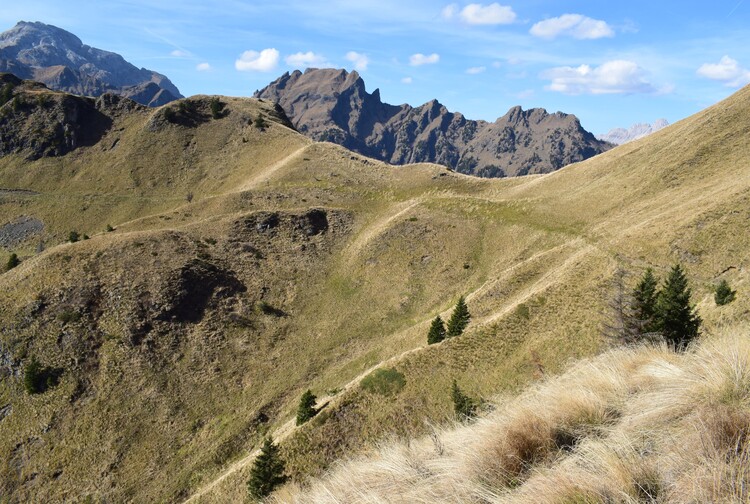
{"x": 266, "y": 174}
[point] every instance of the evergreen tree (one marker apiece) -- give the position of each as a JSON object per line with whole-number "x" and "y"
{"x": 306, "y": 409}
{"x": 267, "y": 472}
{"x": 464, "y": 406}
{"x": 33, "y": 376}
{"x": 724, "y": 293}
{"x": 620, "y": 323}
{"x": 13, "y": 261}
{"x": 437, "y": 331}
{"x": 675, "y": 317}
{"x": 74, "y": 236}
{"x": 459, "y": 319}
{"x": 645, "y": 297}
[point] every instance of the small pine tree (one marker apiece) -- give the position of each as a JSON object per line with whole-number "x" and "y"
{"x": 267, "y": 472}
{"x": 645, "y": 296}
{"x": 459, "y": 319}
{"x": 306, "y": 409}
{"x": 724, "y": 293}
{"x": 13, "y": 261}
{"x": 74, "y": 237}
{"x": 260, "y": 123}
{"x": 437, "y": 331}
{"x": 619, "y": 322}
{"x": 676, "y": 318}
{"x": 464, "y": 406}
{"x": 33, "y": 375}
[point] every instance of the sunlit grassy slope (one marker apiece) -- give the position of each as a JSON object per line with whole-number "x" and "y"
{"x": 191, "y": 330}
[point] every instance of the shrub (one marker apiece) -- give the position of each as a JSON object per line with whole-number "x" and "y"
{"x": 6, "y": 93}
{"x": 37, "y": 378}
{"x": 217, "y": 108}
{"x": 267, "y": 472}
{"x": 13, "y": 261}
{"x": 384, "y": 382}
{"x": 306, "y": 409}
{"x": 437, "y": 331}
{"x": 109, "y": 228}
{"x": 260, "y": 123}
{"x": 459, "y": 319}
{"x": 724, "y": 293}
{"x": 74, "y": 236}
{"x": 464, "y": 406}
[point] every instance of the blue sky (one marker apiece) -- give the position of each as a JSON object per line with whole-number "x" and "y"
{"x": 610, "y": 63}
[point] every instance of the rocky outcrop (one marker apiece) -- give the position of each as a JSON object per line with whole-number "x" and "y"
{"x": 60, "y": 60}
{"x": 37, "y": 122}
{"x": 333, "y": 105}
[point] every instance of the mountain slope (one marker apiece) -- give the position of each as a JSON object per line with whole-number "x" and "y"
{"x": 60, "y": 60}
{"x": 333, "y": 105}
{"x": 248, "y": 264}
{"x": 633, "y": 425}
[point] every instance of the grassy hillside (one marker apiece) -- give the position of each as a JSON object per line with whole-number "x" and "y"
{"x": 191, "y": 330}
{"x": 630, "y": 426}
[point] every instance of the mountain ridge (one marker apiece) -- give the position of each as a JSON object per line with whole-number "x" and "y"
{"x": 619, "y": 136}
{"x": 59, "y": 59}
{"x": 333, "y": 105}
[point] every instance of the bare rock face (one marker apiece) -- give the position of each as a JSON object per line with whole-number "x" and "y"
{"x": 60, "y": 60}
{"x": 333, "y": 105}
{"x": 619, "y": 136}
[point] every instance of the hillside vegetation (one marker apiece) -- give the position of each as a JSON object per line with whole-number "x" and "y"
{"x": 247, "y": 264}
{"x": 633, "y": 425}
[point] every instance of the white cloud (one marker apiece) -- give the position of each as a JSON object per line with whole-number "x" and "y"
{"x": 203, "y": 67}
{"x": 492, "y": 14}
{"x": 407, "y": 80}
{"x": 449, "y": 11}
{"x": 612, "y": 77}
{"x": 476, "y": 70}
{"x": 253, "y": 61}
{"x": 420, "y": 59}
{"x": 306, "y": 59}
{"x": 360, "y": 60}
{"x": 727, "y": 70}
{"x": 179, "y": 53}
{"x": 572, "y": 25}
{"x": 496, "y": 64}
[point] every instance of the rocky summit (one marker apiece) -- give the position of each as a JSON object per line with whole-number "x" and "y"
{"x": 60, "y": 60}
{"x": 333, "y": 105}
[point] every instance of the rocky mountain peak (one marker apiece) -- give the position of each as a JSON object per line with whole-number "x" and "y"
{"x": 333, "y": 105}
{"x": 58, "y": 58}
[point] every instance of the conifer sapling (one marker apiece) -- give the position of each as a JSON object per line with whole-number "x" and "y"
{"x": 459, "y": 319}
{"x": 437, "y": 331}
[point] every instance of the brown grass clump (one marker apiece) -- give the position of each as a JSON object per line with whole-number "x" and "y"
{"x": 630, "y": 426}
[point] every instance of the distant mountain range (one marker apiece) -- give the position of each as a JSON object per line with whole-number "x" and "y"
{"x": 619, "y": 136}
{"x": 333, "y": 105}
{"x": 60, "y": 60}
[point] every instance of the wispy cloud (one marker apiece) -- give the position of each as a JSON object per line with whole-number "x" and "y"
{"x": 421, "y": 59}
{"x": 359, "y": 60}
{"x": 253, "y": 61}
{"x": 727, "y": 70}
{"x": 476, "y": 70}
{"x": 612, "y": 77}
{"x": 407, "y": 80}
{"x": 203, "y": 67}
{"x": 572, "y": 25}
{"x": 306, "y": 59}
{"x": 180, "y": 53}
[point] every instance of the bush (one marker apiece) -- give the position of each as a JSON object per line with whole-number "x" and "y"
{"x": 267, "y": 472}
{"x": 6, "y": 93}
{"x": 384, "y": 382}
{"x": 37, "y": 378}
{"x": 13, "y": 261}
{"x": 260, "y": 123}
{"x": 724, "y": 294}
{"x": 464, "y": 406}
{"x": 74, "y": 236}
{"x": 306, "y": 409}
{"x": 109, "y": 228}
{"x": 217, "y": 108}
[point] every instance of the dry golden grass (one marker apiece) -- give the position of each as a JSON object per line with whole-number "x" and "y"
{"x": 632, "y": 425}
